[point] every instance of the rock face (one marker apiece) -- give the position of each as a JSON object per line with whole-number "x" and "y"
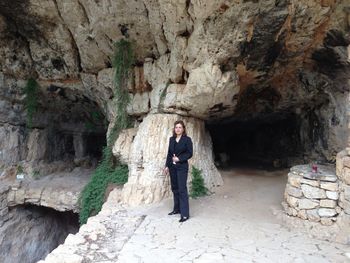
{"x": 147, "y": 157}
{"x": 59, "y": 191}
{"x": 97, "y": 240}
{"x": 223, "y": 61}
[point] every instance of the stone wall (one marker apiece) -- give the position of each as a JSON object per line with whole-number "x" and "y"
{"x": 313, "y": 196}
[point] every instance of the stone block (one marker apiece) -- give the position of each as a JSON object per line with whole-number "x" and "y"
{"x": 328, "y": 203}
{"x": 327, "y": 221}
{"x": 321, "y": 176}
{"x": 294, "y": 180}
{"x": 305, "y": 203}
{"x": 292, "y": 201}
{"x": 313, "y": 192}
{"x": 332, "y": 195}
{"x": 291, "y": 211}
{"x": 326, "y": 212}
{"x": 312, "y": 215}
{"x": 302, "y": 214}
{"x": 329, "y": 186}
{"x": 328, "y": 178}
{"x": 293, "y": 191}
{"x": 315, "y": 183}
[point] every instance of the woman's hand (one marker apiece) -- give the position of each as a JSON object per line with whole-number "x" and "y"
{"x": 175, "y": 159}
{"x": 166, "y": 171}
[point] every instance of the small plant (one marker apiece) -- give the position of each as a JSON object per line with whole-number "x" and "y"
{"x": 36, "y": 175}
{"x": 31, "y": 90}
{"x": 95, "y": 119}
{"x": 197, "y": 185}
{"x": 163, "y": 95}
{"x": 19, "y": 169}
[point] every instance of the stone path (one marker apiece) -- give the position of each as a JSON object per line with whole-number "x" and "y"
{"x": 236, "y": 224}
{"x": 213, "y": 240}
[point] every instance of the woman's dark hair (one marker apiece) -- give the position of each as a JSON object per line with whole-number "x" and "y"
{"x": 183, "y": 126}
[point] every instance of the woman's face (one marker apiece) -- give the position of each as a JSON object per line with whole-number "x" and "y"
{"x": 179, "y": 129}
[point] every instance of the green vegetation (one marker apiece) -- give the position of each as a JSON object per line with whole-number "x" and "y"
{"x": 197, "y": 185}
{"x": 96, "y": 118}
{"x": 31, "y": 90}
{"x": 108, "y": 171}
{"x": 19, "y": 169}
{"x": 36, "y": 175}
{"x": 163, "y": 94}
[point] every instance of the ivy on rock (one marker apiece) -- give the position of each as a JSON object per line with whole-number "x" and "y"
{"x": 110, "y": 170}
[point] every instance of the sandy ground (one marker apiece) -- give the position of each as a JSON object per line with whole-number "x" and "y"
{"x": 234, "y": 224}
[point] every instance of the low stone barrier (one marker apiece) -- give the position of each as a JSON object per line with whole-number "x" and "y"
{"x": 312, "y": 195}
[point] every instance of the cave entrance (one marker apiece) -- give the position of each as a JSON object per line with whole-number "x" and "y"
{"x": 72, "y": 127}
{"x": 271, "y": 141}
{"x": 34, "y": 231}
{"x": 252, "y": 155}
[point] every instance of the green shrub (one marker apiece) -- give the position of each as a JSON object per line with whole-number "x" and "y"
{"x": 31, "y": 90}
{"x": 36, "y": 175}
{"x": 95, "y": 119}
{"x": 20, "y": 169}
{"x": 197, "y": 188}
{"x": 92, "y": 197}
{"x": 108, "y": 171}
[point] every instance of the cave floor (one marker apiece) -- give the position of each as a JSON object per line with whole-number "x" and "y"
{"x": 236, "y": 224}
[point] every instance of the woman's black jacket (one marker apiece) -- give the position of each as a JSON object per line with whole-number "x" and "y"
{"x": 182, "y": 150}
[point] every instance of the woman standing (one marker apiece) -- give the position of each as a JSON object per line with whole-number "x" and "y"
{"x": 179, "y": 151}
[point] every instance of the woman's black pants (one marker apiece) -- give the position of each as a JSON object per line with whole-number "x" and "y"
{"x": 178, "y": 178}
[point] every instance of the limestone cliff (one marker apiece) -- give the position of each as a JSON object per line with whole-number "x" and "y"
{"x": 210, "y": 61}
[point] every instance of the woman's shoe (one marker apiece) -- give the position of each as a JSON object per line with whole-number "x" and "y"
{"x": 183, "y": 219}
{"x": 173, "y": 213}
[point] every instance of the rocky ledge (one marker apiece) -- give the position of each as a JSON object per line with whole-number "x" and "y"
{"x": 59, "y": 191}
{"x": 101, "y": 238}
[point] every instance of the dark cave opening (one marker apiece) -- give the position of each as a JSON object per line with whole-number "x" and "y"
{"x": 73, "y": 127}
{"x": 272, "y": 141}
{"x": 34, "y": 231}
